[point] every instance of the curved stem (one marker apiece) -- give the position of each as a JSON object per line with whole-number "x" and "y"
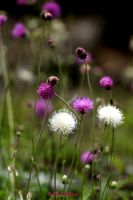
{"x": 59, "y": 97}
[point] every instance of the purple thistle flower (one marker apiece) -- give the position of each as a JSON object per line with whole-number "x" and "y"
{"x": 87, "y": 60}
{"x": 83, "y": 105}
{"x": 41, "y": 107}
{"x": 106, "y": 82}
{"x": 46, "y": 90}
{"x": 3, "y": 19}
{"x": 81, "y": 53}
{"x": 25, "y": 2}
{"x": 18, "y": 30}
{"x": 52, "y": 7}
{"x": 87, "y": 157}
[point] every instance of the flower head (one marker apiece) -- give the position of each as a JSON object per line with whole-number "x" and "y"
{"x": 81, "y": 53}
{"x": 42, "y": 107}
{"x": 110, "y": 115}
{"x": 83, "y": 105}
{"x": 63, "y": 122}
{"x": 87, "y": 60}
{"x": 52, "y": 7}
{"x": 46, "y": 15}
{"x": 46, "y": 90}
{"x": 106, "y": 82}
{"x": 18, "y": 30}
{"x": 3, "y": 19}
{"x": 87, "y": 157}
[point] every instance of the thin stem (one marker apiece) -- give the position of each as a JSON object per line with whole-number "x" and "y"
{"x": 9, "y": 104}
{"x": 59, "y": 97}
{"x": 56, "y": 162}
{"x": 111, "y": 161}
{"x": 60, "y": 71}
{"x": 74, "y": 153}
{"x": 36, "y": 149}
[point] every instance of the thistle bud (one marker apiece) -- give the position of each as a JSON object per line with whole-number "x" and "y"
{"x": 45, "y": 15}
{"x": 52, "y": 80}
{"x": 81, "y": 53}
{"x": 64, "y": 179}
{"x": 113, "y": 185}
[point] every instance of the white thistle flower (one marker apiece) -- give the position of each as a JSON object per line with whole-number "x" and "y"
{"x": 63, "y": 122}
{"x": 110, "y": 115}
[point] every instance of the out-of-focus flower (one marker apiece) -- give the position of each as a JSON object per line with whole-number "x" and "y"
{"x": 81, "y": 53}
{"x": 19, "y": 30}
{"x": 46, "y": 90}
{"x": 46, "y": 15}
{"x": 106, "y": 82}
{"x": 87, "y": 157}
{"x": 97, "y": 70}
{"x": 41, "y": 107}
{"x": 83, "y": 105}
{"x": 3, "y": 19}
{"x": 110, "y": 115}
{"x": 25, "y": 2}
{"x": 52, "y": 7}
{"x": 63, "y": 122}
{"x": 87, "y": 60}
{"x": 84, "y": 68}
{"x": 53, "y": 80}
{"x": 25, "y": 75}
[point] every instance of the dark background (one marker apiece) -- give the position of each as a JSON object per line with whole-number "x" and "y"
{"x": 118, "y": 16}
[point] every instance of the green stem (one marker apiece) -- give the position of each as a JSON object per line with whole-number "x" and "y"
{"x": 111, "y": 161}
{"x": 59, "y": 97}
{"x": 9, "y": 105}
{"x": 56, "y": 162}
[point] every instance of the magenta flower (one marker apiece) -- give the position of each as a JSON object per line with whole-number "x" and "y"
{"x": 42, "y": 107}
{"x": 106, "y": 82}
{"x": 87, "y": 157}
{"x": 52, "y": 7}
{"x": 83, "y": 105}
{"x": 3, "y": 19}
{"x": 18, "y": 30}
{"x": 87, "y": 60}
{"x": 46, "y": 90}
{"x": 25, "y": 2}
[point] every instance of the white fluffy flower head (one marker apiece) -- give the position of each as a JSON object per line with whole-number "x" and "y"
{"x": 110, "y": 115}
{"x": 63, "y": 122}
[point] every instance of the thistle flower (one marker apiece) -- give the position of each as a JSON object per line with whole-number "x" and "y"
{"x": 3, "y": 19}
{"x": 83, "y": 105}
{"x": 46, "y": 90}
{"x": 41, "y": 107}
{"x": 52, "y": 7}
{"x": 46, "y": 15}
{"x": 110, "y": 115}
{"x": 87, "y": 60}
{"x": 87, "y": 157}
{"x": 63, "y": 122}
{"x": 106, "y": 82}
{"x": 18, "y": 30}
{"x": 81, "y": 53}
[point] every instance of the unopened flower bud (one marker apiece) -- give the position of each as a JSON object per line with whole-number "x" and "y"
{"x": 113, "y": 185}
{"x": 64, "y": 179}
{"x": 51, "y": 43}
{"x": 52, "y": 80}
{"x": 46, "y": 15}
{"x": 81, "y": 53}
{"x": 87, "y": 167}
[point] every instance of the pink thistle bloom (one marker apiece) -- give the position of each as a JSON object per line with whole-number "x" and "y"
{"x": 25, "y": 2}
{"x": 83, "y": 105}
{"x": 3, "y": 19}
{"x": 46, "y": 90}
{"x": 52, "y": 7}
{"x": 41, "y": 107}
{"x": 106, "y": 82}
{"x": 87, "y": 157}
{"x": 18, "y": 30}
